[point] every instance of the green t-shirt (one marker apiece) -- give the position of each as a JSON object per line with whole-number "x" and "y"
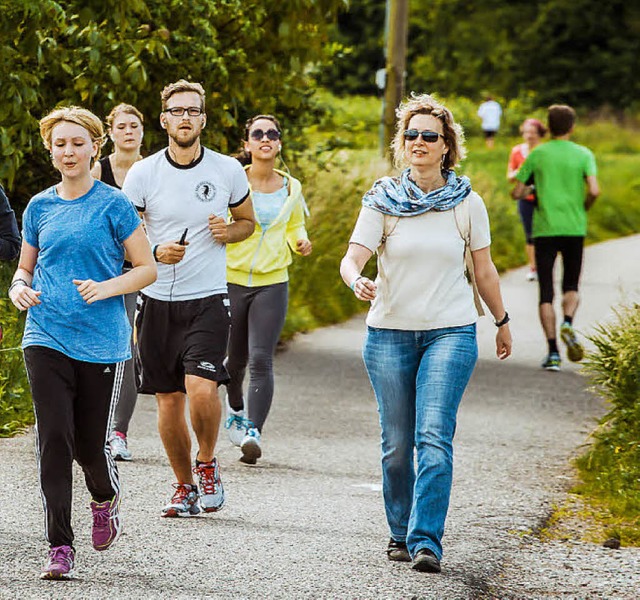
{"x": 559, "y": 168}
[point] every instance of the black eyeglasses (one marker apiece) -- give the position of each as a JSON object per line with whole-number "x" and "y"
{"x": 258, "y": 134}
{"x": 427, "y": 136}
{"x": 178, "y": 111}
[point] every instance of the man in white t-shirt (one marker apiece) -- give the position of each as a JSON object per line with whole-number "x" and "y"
{"x": 184, "y": 193}
{"x": 490, "y": 112}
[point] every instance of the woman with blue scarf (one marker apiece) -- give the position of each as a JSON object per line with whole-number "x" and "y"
{"x": 421, "y": 348}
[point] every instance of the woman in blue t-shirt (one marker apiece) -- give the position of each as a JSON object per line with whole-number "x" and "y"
{"x": 76, "y": 336}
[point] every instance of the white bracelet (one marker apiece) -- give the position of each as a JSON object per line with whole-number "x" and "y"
{"x": 353, "y": 283}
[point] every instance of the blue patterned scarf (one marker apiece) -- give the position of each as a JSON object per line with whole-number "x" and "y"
{"x": 401, "y": 196}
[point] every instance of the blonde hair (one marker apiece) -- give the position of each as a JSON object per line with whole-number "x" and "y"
{"x": 128, "y": 109}
{"x": 73, "y": 114}
{"x": 182, "y": 85}
{"x": 425, "y": 104}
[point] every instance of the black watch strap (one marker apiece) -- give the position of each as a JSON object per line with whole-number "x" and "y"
{"x": 504, "y": 321}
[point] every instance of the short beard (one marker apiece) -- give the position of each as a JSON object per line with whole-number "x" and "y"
{"x": 186, "y": 142}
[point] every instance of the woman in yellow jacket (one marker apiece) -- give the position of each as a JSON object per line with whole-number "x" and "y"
{"x": 258, "y": 282}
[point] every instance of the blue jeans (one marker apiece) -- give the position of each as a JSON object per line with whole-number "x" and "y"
{"x": 418, "y": 378}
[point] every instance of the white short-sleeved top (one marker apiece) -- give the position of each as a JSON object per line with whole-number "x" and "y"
{"x": 175, "y": 197}
{"x": 421, "y": 279}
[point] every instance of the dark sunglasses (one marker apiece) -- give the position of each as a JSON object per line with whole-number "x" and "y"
{"x": 258, "y": 134}
{"x": 427, "y": 136}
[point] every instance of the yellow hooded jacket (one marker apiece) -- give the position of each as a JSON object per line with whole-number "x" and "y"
{"x": 263, "y": 258}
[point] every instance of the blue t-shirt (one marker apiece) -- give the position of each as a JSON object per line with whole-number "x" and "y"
{"x": 78, "y": 239}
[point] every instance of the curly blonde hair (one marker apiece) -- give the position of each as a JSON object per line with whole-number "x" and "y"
{"x": 73, "y": 114}
{"x": 425, "y": 104}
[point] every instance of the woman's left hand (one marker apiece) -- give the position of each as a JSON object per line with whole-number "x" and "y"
{"x": 92, "y": 291}
{"x": 303, "y": 247}
{"x": 503, "y": 342}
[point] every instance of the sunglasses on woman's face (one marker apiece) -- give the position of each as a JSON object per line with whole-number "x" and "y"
{"x": 258, "y": 134}
{"x": 427, "y": 136}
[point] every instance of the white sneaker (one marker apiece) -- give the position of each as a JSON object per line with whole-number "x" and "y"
{"x": 532, "y": 275}
{"x": 237, "y": 425}
{"x": 250, "y": 446}
{"x": 118, "y": 447}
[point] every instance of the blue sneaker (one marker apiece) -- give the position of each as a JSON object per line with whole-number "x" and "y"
{"x": 250, "y": 446}
{"x": 552, "y": 362}
{"x": 211, "y": 490}
{"x": 237, "y": 424}
{"x": 184, "y": 502}
{"x": 575, "y": 351}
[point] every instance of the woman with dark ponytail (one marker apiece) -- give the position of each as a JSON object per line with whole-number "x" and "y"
{"x": 257, "y": 274}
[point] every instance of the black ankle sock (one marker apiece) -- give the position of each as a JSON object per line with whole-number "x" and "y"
{"x": 236, "y": 408}
{"x": 568, "y": 319}
{"x": 553, "y": 346}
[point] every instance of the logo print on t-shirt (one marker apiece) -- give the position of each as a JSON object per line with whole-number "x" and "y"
{"x": 205, "y": 191}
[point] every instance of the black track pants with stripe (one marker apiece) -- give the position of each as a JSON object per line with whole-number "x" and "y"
{"x": 74, "y": 403}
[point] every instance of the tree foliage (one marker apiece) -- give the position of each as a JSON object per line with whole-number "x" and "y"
{"x": 583, "y": 52}
{"x": 250, "y": 55}
{"x": 358, "y": 39}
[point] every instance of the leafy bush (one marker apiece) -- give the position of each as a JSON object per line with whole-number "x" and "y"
{"x": 610, "y": 468}
{"x": 15, "y": 399}
{"x": 334, "y": 193}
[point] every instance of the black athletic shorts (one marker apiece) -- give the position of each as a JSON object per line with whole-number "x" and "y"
{"x": 489, "y": 133}
{"x": 546, "y": 250}
{"x": 175, "y": 339}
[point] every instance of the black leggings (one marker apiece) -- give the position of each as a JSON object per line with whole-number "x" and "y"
{"x": 74, "y": 403}
{"x": 257, "y": 318}
{"x": 547, "y": 248}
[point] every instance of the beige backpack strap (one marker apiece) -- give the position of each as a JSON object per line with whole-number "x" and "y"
{"x": 462, "y": 217}
{"x": 390, "y": 224}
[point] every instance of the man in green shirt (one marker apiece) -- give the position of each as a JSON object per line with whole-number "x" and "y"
{"x": 564, "y": 176}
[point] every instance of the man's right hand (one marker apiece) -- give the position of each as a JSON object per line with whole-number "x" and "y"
{"x": 171, "y": 253}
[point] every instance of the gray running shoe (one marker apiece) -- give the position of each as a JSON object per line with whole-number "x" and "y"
{"x": 575, "y": 351}
{"x": 184, "y": 502}
{"x": 118, "y": 446}
{"x": 211, "y": 490}
{"x": 251, "y": 450}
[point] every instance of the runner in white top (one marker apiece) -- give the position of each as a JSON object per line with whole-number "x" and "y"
{"x": 490, "y": 112}
{"x": 184, "y": 194}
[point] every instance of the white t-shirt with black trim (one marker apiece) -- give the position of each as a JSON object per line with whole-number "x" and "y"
{"x": 421, "y": 281}
{"x": 175, "y": 197}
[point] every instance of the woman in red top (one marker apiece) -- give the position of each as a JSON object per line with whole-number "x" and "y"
{"x": 532, "y": 133}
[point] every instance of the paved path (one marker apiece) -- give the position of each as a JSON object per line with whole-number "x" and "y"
{"x": 308, "y": 521}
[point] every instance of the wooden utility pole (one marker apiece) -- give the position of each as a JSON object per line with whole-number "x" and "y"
{"x": 397, "y": 33}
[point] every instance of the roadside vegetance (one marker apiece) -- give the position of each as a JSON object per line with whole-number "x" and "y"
{"x": 610, "y": 468}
